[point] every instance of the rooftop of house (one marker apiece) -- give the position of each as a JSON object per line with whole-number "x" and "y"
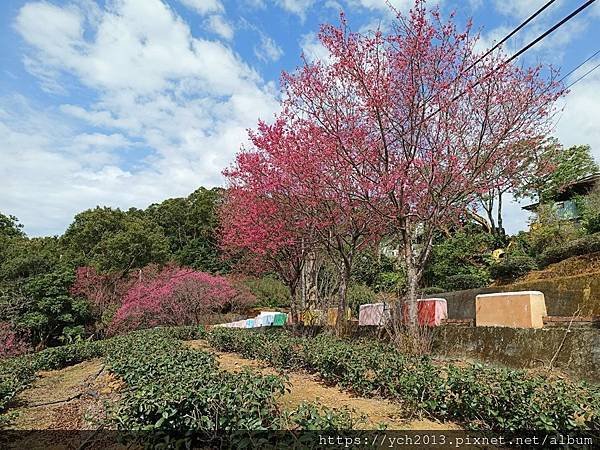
{"x": 578, "y": 187}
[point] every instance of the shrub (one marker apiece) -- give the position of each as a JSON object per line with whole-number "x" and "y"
{"x": 51, "y": 313}
{"x": 466, "y": 281}
{"x": 173, "y": 391}
{"x": 313, "y": 416}
{"x": 590, "y": 210}
{"x": 11, "y": 342}
{"x": 481, "y": 396}
{"x": 16, "y": 373}
{"x": 105, "y": 291}
{"x": 549, "y": 230}
{"x": 171, "y": 387}
{"x": 359, "y": 294}
{"x": 460, "y": 261}
{"x": 512, "y": 267}
{"x": 581, "y": 246}
{"x": 269, "y": 291}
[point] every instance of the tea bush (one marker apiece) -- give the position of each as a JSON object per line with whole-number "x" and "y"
{"x": 17, "y": 373}
{"x": 482, "y": 396}
{"x": 175, "y": 392}
{"x": 171, "y": 387}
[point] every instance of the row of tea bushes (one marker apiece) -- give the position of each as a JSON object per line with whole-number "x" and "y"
{"x": 172, "y": 390}
{"x": 171, "y": 387}
{"x": 18, "y": 372}
{"x": 479, "y": 396}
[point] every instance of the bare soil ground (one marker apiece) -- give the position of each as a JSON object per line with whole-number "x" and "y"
{"x": 305, "y": 387}
{"x": 72, "y": 398}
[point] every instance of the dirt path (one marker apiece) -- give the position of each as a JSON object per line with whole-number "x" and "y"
{"x": 68, "y": 399}
{"x": 308, "y": 387}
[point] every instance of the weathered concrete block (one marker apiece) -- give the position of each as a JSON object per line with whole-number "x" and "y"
{"x": 524, "y": 309}
{"x": 313, "y": 317}
{"x": 279, "y": 319}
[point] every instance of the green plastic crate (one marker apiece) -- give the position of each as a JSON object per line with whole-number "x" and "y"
{"x": 279, "y": 319}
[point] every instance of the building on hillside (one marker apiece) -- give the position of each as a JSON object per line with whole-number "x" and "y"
{"x": 564, "y": 201}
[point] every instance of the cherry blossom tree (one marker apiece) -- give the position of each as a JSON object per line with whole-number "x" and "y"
{"x": 419, "y": 123}
{"x": 300, "y": 194}
{"x": 259, "y": 232}
{"x": 394, "y": 135}
{"x": 11, "y": 342}
{"x": 177, "y": 296}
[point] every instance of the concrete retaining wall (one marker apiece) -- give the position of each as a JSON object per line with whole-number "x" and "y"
{"x": 563, "y": 296}
{"x": 525, "y": 348}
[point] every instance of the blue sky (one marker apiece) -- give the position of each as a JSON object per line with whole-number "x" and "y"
{"x": 128, "y": 102}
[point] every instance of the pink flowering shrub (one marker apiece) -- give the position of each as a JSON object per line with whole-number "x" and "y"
{"x": 11, "y": 344}
{"x": 178, "y": 296}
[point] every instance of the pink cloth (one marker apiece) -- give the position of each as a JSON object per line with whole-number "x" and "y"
{"x": 372, "y": 314}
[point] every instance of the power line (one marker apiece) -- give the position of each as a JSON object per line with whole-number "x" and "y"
{"x": 573, "y": 70}
{"x": 511, "y": 34}
{"x": 583, "y": 76}
{"x": 516, "y": 55}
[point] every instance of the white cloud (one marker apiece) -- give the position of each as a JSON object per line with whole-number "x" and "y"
{"x": 516, "y": 8}
{"x": 220, "y": 26}
{"x": 169, "y": 111}
{"x": 312, "y": 48}
{"x": 382, "y": 5}
{"x": 489, "y": 39}
{"x": 267, "y": 50}
{"x": 578, "y": 123}
{"x": 204, "y": 6}
{"x": 298, "y": 7}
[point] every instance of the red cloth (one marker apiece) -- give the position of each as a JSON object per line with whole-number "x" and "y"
{"x": 430, "y": 311}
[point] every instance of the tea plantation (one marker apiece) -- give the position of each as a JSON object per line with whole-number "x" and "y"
{"x": 478, "y": 396}
{"x": 172, "y": 388}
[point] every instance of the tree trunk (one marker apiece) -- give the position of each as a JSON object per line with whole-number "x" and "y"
{"x": 309, "y": 282}
{"x": 293, "y": 303}
{"x": 344, "y": 273}
{"x": 410, "y": 298}
{"x": 501, "y": 232}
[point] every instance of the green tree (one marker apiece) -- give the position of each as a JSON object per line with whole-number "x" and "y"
{"x": 136, "y": 244}
{"x": 461, "y": 260}
{"x": 115, "y": 240}
{"x": 380, "y": 273}
{"x": 88, "y": 229}
{"x": 22, "y": 257}
{"x": 50, "y": 314}
{"x": 567, "y": 165}
{"x": 190, "y": 225}
{"x": 10, "y": 227}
